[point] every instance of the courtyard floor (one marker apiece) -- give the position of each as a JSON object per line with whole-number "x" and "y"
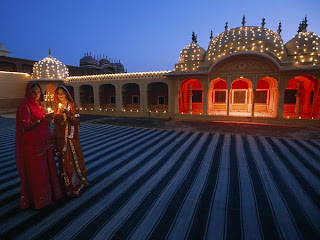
{"x": 166, "y": 179}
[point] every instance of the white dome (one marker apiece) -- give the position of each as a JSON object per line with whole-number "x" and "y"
{"x": 252, "y": 39}
{"x": 3, "y": 50}
{"x": 192, "y": 52}
{"x": 49, "y": 68}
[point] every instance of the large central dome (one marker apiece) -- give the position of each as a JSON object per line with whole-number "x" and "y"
{"x": 49, "y": 68}
{"x": 246, "y": 39}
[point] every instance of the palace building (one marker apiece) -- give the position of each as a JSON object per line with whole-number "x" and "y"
{"x": 246, "y": 72}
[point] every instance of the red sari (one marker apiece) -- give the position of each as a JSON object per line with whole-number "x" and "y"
{"x": 34, "y": 155}
{"x": 67, "y": 147}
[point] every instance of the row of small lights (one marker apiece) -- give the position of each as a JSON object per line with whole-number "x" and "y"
{"x": 191, "y": 113}
{"x": 119, "y": 75}
{"x": 123, "y": 110}
{"x": 59, "y": 70}
{"x": 18, "y": 73}
{"x": 48, "y": 97}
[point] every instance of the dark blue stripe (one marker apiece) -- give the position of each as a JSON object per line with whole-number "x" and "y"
{"x": 201, "y": 215}
{"x": 268, "y": 224}
{"x": 234, "y": 201}
{"x": 302, "y": 221}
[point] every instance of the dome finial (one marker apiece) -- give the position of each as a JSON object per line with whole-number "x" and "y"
{"x": 226, "y": 26}
{"x": 211, "y": 35}
{"x": 49, "y": 52}
{"x": 263, "y": 22}
{"x": 194, "y": 38}
{"x": 279, "y": 28}
{"x": 243, "y": 20}
{"x": 304, "y": 24}
{"x": 300, "y": 27}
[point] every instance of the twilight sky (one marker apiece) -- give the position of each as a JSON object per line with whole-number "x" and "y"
{"x": 145, "y": 35}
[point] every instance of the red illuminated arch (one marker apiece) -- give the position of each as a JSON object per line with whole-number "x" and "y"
{"x": 191, "y": 97}
{"x": 217, "y": 97}
{"x": 301, "y": 99}
{"x": 266, "y": 98}
{"x": 240, "y": 97}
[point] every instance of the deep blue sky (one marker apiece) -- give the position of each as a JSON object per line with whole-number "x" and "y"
{"x": 145, "y": 35}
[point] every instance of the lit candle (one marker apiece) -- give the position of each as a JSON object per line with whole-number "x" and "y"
{"x": 60, "y": 105}
{"x": 49, "y": 110}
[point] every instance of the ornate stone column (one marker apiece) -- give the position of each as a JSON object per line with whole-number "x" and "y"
{"x": 190, "y": 99}
{"x": 205, "y": 97}
{"x": 77, "y": 95}
{"x": 228, "y": 94}
{"x": 96, "y": 97}
{"x": 119, "y": 98}
{"x": 297, "y": 107}
{"x": 143, "y": 97}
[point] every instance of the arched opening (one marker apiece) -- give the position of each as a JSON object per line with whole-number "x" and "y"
{"x": 157, "y": 97}
{"x": 49, "y": 96}
{"x": 71, "y": 91}
{"x": 266, "y": 98}
{"x": 107, "y": 94}
{"x": 217, "y": 97}
{"x": 131, "y": 97}
{"x": 191, "y": 97}
{"x": 240, "y": 97}
{"x": 86, "y": 97}
{"x": 301, "y": 100}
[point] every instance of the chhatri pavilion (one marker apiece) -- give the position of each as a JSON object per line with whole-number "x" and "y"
{"x": 246, "y": 72}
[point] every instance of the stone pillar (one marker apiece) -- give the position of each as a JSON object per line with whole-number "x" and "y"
{"x": 190, "y": 99}
{"x": 205, "y": 98}
{"x": 119, "y": 98}
{"x": 280, "y": 103}
{"x": 96, "y": 97}
{"x": 228, "y": 95}
{"x": 143, "y": 97}
{"x": 77, "y": 95}
{"x": 297, "y": 107}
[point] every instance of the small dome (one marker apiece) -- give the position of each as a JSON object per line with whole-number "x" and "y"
{"x": 3, "y": 50}
{"x": 88, "y": 60}
{"x": 49, "y": 68}
{"x": 303, "y": 43}
{"x": 192, "y": 52}
{"x": 103, "y": 61}
{"x": 257, "y": 39}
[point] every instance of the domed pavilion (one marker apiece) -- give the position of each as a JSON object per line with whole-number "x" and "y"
{"x": 49, "y": 73}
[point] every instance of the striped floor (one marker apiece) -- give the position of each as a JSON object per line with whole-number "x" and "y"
{"x": 159, "y": 184}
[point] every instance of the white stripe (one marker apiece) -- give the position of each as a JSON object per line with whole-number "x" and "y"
{"x": 93, "y": 211}
{"x": 312, "y": 161}
{"x": 168, "y": 193}
{"x": 306, "y": 204}
{"x": 63, "y": 211}
{"x": 250, "y": 220}
{"x": 281, "y": 213}
{"x": 310, "y": 147}
{"x": 216, "y": 224}
{"x": 179, "y": 228}
{"x": 305, "y": 172}
{"x": 152, "y": 217}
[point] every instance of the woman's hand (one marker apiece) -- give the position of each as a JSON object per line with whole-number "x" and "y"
{"x": 66, "y": 112}
{"x": 49, "y": 114}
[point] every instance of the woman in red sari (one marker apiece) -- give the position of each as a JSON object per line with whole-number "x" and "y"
{"x": 34, "y": 155}
{"x": 67, "y": 146}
